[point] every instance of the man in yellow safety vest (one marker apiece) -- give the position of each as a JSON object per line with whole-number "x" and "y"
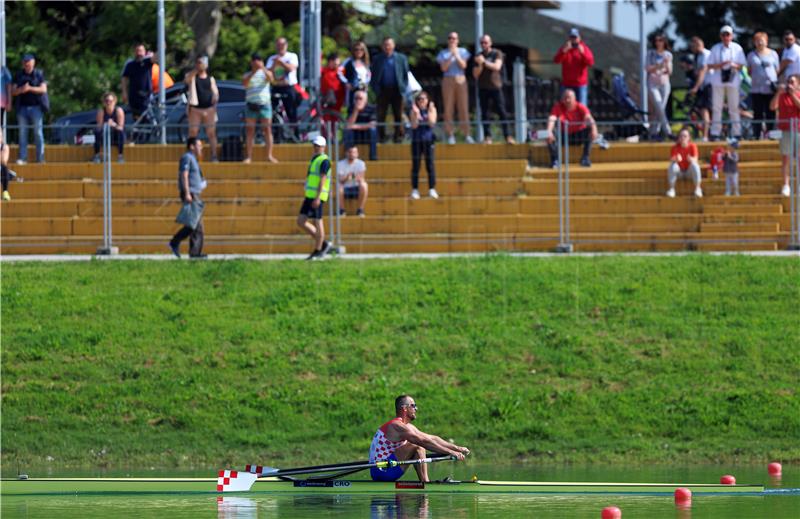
{"x": 318, "y": 186}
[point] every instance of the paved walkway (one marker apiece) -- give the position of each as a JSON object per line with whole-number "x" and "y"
{"x": 273, "y": 257}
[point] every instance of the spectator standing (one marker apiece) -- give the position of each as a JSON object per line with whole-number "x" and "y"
{"x": 786, "y": 102}
{"x": 362, "y": 125}
{"x": 582, "y": 128}
{"x": 356, "y": 71}
{"x": 727, "y": 57}
{"x": 5, "y": 173}
{"x": 575, "y": 57}
{"x": 283, "y": 65}
{"x": 332, "y": 88}
{"x": 453, "y": 62}
{"x": 5, "y": 91}
{"x": 113, "y": 115}
{"x": 351, "y": 172}
{"x": 659, "y": 70}
{"x": 684, "y": 157}
{"x": 30, "y": 89}
{"x": 257, "y": 107}
{"x": 190, "y": 184}
{"x": 155, "y": 72}
{"x": 203, "y": 98}
{"x": 488, "y": 72}
{"x": 701, "y": 87}
{"x": 763, "y": 63}
{"x": 317, "y": 189}
{"x": 389, "y": 80}
{"x": 137, "y": 80}
{"x": 790, "y": 57}
{"x": 423, "y": 119}
{"x": 730, "y": 165}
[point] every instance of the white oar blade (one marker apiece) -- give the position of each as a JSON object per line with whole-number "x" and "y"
{"x": 235, "y": 481}
{"x": 261, "y": 471}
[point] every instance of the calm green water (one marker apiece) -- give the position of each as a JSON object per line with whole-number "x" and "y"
{"x": 773, "y": 506}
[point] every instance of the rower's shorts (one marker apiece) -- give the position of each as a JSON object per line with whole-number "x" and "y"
{"x": 390, "y": 474}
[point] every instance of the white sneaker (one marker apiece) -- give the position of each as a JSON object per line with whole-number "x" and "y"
{"x": 451, "y": 139}
{"x": 414, "y": 194}
{"x": 470, "y": 140}
{"x": 671, "y": 192}
{"x": 698, "y": 192}
{"x": 21, "y": 162}
{"x": 786, "y": 191}
{"x": 433, "y": 194}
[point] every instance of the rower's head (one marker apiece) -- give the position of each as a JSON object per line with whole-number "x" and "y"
{"x": 405, "y": 407}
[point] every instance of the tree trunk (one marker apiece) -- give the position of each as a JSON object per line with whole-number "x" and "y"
{"x": 205, "y": 19}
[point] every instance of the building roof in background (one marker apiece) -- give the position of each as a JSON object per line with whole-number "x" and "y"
{"x": 528, "y": 29}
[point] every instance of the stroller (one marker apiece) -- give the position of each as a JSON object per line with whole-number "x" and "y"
{"x": 628, "y": 108}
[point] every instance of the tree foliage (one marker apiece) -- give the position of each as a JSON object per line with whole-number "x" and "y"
{"x": 704, "y": 19}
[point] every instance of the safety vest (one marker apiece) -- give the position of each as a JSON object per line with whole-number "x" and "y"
{"x": 313, "y": 178}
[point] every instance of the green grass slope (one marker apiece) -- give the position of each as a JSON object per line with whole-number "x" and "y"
{"x": 608, "y": 359}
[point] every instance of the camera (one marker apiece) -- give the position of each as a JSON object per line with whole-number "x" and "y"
{"x": 726, "y": 75}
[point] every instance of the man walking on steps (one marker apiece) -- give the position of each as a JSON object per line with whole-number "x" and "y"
{"x": 190, "y": 184}
{"x": 318, "y": 186}
{"x": 399, "y": 440}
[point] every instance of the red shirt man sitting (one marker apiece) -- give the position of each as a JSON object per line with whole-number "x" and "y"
{"x": 581, "y": 126}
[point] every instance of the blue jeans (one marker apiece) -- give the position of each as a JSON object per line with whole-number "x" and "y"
{"x": 363, "y": 137}
{"x": 30, "y": 117}
{"x": 581, "y": 92}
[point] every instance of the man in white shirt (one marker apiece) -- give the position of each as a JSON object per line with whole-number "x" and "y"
{"x": 727, "y": 58}
{"x": 352, "y": 184}
{"x": 790, "y": 57}
{"x": 283, "y": 66}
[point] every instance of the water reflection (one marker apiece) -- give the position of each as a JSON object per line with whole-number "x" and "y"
{"x": 400, "y": 506}
{"x": 236, "y": 508}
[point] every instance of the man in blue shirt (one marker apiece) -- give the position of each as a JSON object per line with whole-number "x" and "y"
{"x": 30, "y": 89}
{"x": 190, "y": 184}
{"x": 137, "y": 80}
{"x": 389, "y": 80}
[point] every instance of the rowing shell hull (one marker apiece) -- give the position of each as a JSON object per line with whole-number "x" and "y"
{"x": 72, "y": 486}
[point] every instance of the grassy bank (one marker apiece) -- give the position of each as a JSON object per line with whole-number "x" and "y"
{"x": 610, "y": 359}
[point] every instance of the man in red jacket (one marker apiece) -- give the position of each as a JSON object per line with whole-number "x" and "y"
{"x": 575, "y": 57}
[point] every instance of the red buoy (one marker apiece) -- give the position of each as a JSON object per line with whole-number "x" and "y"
{"x": 774, "y": 468}
{"x": 683, "y": 496}
{"x": 727, "y": 480}
{"x": 611, "y": 512}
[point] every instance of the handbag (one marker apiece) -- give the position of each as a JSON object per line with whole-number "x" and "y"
{"x": 190, "y": 213}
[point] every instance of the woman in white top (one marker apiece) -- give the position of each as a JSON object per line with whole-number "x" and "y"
{"x": 659, "y": 70}
{"x": 356, "y": 71}
{"x": 763, "y": 64}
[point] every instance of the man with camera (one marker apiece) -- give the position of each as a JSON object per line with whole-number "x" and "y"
{"x": 786, "y": 102}
{"x": 575, "y": 57}
{"x": 728, "y": 58}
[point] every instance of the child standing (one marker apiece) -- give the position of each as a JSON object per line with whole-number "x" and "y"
{"x": 730, "y": 166}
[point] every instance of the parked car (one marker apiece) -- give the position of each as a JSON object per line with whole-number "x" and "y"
{"x": 78, "y": 128}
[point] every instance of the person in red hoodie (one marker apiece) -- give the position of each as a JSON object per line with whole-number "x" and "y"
{"x": 332, "y": 88}
{"x": 575, "y": 57}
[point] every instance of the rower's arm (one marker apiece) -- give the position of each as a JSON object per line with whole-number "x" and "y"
{"x": 429, "y": 441}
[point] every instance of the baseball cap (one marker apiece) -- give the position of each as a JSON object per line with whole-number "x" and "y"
{"x": 257, "y": 56}
{"x": 574, "y": 32}
{"x": 726, "y": 29}
{"x": 319, "y": 140}
{"x": 28, "y": 57}
{"x": 733, "y": 143}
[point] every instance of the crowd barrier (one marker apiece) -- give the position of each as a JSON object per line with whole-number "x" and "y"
{"x": 493, "y": 197}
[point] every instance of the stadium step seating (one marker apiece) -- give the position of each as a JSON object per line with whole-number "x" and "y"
{"x": 496, "y": 197}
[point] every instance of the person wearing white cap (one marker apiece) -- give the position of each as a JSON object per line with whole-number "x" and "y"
{"x": 317, "y": 189}
{"x": 728, "y": 57}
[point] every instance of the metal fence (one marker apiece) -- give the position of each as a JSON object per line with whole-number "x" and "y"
{"x": 535, "y": 196}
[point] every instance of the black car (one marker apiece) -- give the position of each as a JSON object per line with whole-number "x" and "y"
{"x": 78, "y": 128}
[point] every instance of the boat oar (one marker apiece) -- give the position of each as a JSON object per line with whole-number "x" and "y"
{"x": 235, "y": 481}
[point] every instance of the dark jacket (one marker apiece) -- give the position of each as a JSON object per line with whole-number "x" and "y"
{"x": 400, "y": 69}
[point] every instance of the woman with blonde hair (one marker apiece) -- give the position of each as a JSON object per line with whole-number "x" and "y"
{"x": 356, "y": 71}
{"x": 763, "y": 64}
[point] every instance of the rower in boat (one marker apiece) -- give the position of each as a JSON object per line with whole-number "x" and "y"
{"x": 399, "y": 440}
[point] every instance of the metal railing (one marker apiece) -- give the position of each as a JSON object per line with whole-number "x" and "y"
{"x": 266, "y": 193}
